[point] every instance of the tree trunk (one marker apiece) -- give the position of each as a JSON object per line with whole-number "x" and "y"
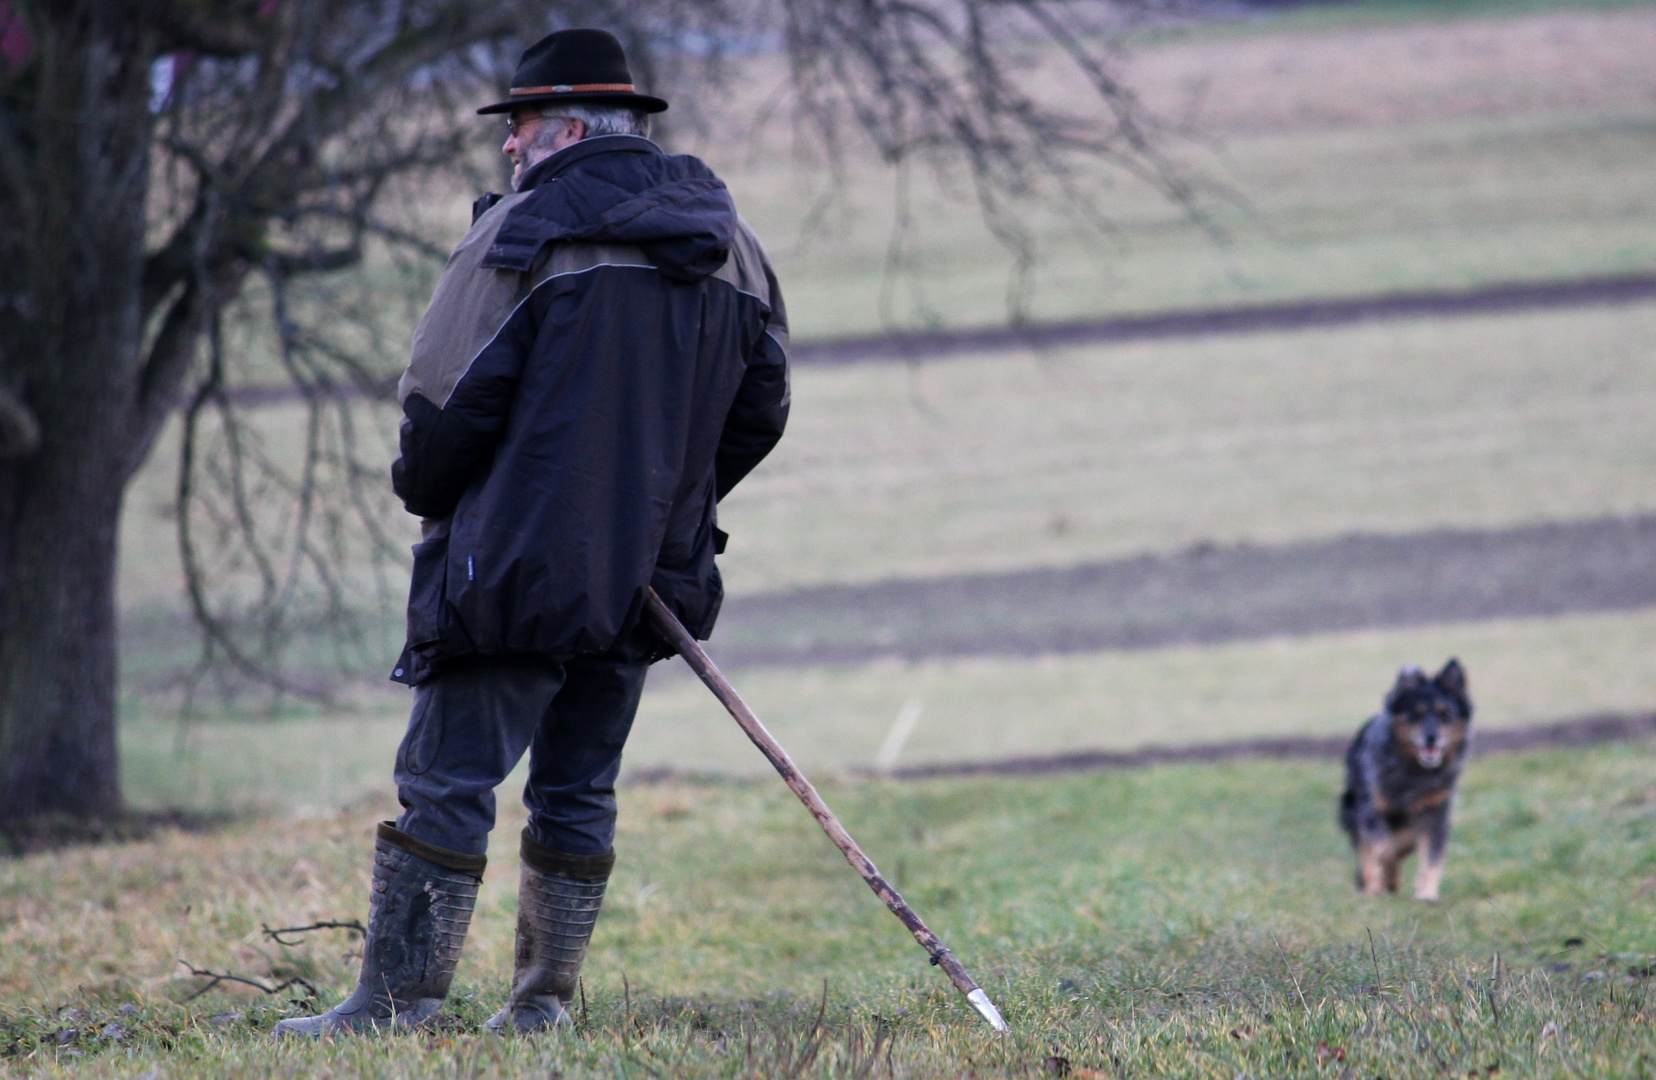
{"x": 57, "y": 680}
{"x": 70, "y": 354}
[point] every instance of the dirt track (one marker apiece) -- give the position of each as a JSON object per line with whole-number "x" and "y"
{"x": 1579, "y": 732}
{"x": 1585, "y": 731}
{"x": 1195, "y": 322}
{"x": 1207, "y": 595}
{"x": 1249, "y": 318}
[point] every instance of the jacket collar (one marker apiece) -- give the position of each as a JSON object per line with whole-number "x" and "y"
{"x": 547, "y": 168}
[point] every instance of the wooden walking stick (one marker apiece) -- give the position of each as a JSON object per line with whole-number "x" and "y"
{"x": 703, "y": 666}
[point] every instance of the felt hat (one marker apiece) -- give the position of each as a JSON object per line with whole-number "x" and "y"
{"x": 583, "y": 65}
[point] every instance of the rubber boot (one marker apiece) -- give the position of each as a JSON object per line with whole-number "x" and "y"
{"x": 418, "y": 914}
{"x": 558, "y": 900}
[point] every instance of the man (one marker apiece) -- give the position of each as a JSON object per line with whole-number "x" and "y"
{"x": 602, "y": 360}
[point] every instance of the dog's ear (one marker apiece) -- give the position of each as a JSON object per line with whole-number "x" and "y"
{"x": 1409, "y": 680}
{"x": 1452, "y": 681}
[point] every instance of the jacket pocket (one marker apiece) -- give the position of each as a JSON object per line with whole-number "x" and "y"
{"x": 427, "y": 588}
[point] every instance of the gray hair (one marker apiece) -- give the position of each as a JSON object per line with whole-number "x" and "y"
{"x": 602, "y": 119}
{"x": 599, "y": 120}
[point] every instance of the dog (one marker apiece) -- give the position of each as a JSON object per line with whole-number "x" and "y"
{"x": 1401, "y": 772}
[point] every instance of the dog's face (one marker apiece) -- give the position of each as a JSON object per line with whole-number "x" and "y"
{"x": 1430, "y": 717}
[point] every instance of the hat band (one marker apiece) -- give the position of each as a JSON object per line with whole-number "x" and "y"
{"x": 579, "y": 88}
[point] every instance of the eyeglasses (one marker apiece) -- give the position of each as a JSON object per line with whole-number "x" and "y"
{"x": 513, "y": 126}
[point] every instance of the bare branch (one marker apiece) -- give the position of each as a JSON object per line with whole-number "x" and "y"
{"x": 219, "y": 638}
{"x": 317, "y": 261}
{"x": 214, "y": 978}
{"x": 215, "y": 30}
{"x": 276, "y": 935}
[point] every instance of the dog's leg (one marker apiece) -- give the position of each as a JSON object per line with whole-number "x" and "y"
{"x": 1393, "y": 874}
{"x": 1401, "y": 847}
{"x": 1435, "y": 824}
{"x": 1372, "y": 853}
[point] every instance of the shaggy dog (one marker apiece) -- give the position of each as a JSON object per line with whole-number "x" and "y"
{"x": 1400, "y": 779}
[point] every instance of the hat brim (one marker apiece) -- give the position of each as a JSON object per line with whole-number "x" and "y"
{"x": 628, "y": 98}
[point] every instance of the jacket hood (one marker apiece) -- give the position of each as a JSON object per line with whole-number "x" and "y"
{"x": 622, "y": 189}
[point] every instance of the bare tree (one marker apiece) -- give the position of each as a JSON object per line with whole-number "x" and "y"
{"x": 180, "y": 172}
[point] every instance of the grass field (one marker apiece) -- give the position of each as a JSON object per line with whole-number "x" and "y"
{"x": 1002, "y": 461}
{"x": 1339, "y": 157}
{"x": 1176, "y": 921}
{"x": 997, "y": 462}
{"x": 835, "y": 718}
{"x": 1517, "y": 142}
{"x": 1490, "y": 146}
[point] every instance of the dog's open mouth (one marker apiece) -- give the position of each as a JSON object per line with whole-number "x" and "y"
{"x": 1430, "y": 756}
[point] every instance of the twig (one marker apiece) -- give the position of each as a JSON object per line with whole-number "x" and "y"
{"x": 276, "y": 935}
{"x": 1379, "y": 983}
{"x": 1489, "y": 991}
{"x": 216, "y": 977}
{"x": 1295, "y": 978}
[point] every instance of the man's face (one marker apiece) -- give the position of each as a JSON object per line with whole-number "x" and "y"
{"x": 531, "y": 137}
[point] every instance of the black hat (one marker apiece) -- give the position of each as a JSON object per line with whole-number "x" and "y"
{"x": 575, "y": 65}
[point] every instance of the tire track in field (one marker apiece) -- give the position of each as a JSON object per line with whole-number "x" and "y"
{"x": 1507, "y": 297}
{"x": 1207, "y": 595}
{"x": 1582, "y": 731}
{"x": 1499, "y": 298}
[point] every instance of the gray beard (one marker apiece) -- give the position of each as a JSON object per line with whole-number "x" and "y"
{"x": 538, "y": 150}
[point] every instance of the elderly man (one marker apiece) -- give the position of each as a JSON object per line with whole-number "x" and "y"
{"x": 602, "y": 361}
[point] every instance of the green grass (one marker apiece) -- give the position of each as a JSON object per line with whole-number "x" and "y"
{"x": 1179, "y": 921}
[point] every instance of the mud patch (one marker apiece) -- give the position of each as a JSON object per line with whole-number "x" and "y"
{"x": 1207, "y": 595}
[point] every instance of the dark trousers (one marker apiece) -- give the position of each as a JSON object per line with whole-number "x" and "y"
{"x": 471, "y": 725}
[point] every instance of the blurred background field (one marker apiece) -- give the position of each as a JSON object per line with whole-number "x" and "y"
{"x": 1342, "y": 149}
{"x": 1352, "y": 150}
{"x": 837, "y": 718}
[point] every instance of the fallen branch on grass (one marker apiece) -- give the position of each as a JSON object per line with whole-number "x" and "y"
{"x": 276, "y": 935}
{"x": 216, "y": 977}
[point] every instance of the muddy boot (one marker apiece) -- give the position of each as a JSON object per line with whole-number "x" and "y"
{"x": 418, "y": 913}
{"x": 558, "y": 900}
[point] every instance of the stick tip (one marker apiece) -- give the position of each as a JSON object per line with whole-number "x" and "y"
{"x": 986, "y": 1009}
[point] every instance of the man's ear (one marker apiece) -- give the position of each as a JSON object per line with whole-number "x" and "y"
{"x": 1452, "y": 681}
{"x": 1409, "y": 679}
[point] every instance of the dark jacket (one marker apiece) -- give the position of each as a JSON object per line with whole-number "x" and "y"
{"x": 603, "y": 359}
